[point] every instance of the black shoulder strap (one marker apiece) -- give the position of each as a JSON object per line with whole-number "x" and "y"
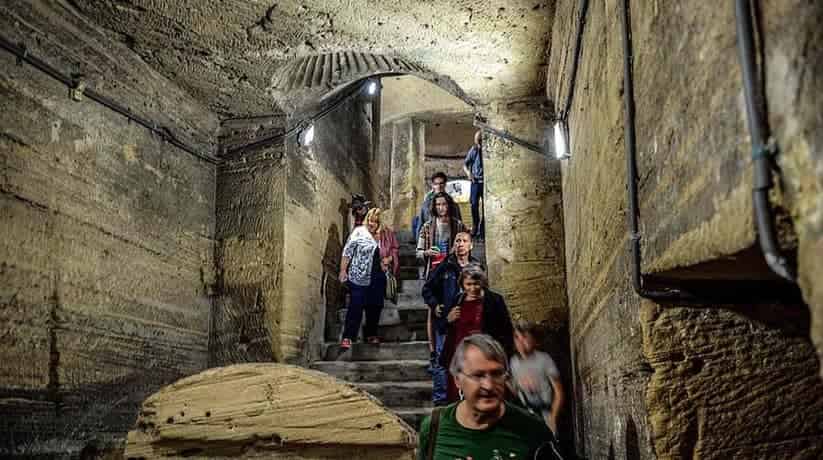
{"x": 434, "y": 425}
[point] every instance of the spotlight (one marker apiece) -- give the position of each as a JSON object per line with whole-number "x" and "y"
{"x": 560, "y": 140}
{"x": 306, "y": 136}
{"x": 371, "y": 88}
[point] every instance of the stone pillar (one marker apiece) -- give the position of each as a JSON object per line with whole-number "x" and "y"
{"x": 524, "y": 218}
{"x": 408, "y": 152}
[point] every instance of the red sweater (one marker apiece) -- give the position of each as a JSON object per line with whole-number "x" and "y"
{"x": 390, "y": 247}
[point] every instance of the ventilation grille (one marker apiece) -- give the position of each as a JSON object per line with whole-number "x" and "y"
{"x": 327, "y": 71}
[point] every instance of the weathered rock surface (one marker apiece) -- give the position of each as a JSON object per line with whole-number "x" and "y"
{"x": 226, "y": 54}
{"x": 267, "y": 410}
{"x": 106, "y": 239}
{"x": 321, "y": 179}
{"x": 251, "y": 190}
{"x": 725, "y": 385}
{"x": 642, "y": 392}
{"x": 794, "y": 51}
{"x": 524, "y": 223}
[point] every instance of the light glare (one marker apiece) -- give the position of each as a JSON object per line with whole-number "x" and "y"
{"x": 308, "y": 135}
{"x": 372, "y": 88}
{"x": 560, "y": 141}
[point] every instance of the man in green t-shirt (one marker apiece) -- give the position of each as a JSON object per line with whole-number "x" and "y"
{"x": 482, "y": 426}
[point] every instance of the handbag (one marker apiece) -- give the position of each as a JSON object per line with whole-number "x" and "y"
{"x": 391, "y": 287}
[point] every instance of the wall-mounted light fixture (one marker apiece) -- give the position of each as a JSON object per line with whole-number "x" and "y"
{"x": 561, "y": 140}
{"x": 306, "y": 136}
{"x": 371, "y": 87}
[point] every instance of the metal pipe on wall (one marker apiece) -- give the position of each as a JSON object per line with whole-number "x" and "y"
{"x": 578, "y": 46}
{"x": 631, "y": 173}
{"x": 23, "y": 55}
{"x": 758, "y": 132}
{"x": 746, "y": 293}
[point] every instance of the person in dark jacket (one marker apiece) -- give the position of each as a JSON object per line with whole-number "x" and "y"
{"x": 440, "y": 289}
{"x": 476, "y": 309}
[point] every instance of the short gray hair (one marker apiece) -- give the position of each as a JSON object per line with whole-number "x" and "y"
{"x": 474, "y": 271}
{"x": 490, "y": 348}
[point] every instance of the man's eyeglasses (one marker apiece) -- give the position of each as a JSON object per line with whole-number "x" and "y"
{"x": 496, "y": 376}
{"x": 438, "y": 183}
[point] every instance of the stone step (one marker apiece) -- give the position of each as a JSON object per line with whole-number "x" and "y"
{"x": 400, "y": 394}
{"x": 408, "y": 273}
{"x": 410, "y": 327}
{"x": 410, "y": 300}
{"x": 385, "y": 351}
{"x": 414, "y": 285}
{"x": 412, "y": 415}
{"x": 408, "y": 260}
{"x": 405, "y": 313}
{"x": 406, "y": 332}
{"x": 404, "y": 236}
{"x": 375, "y": 371}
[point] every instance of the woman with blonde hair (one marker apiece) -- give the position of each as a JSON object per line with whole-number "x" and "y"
{"x": 370, "y": 252}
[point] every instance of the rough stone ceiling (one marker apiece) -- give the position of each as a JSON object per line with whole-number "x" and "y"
{"x": 407, "y": 95}
{"x": 226, "y": 52}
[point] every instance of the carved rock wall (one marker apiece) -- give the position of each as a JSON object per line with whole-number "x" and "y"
{"x": 713, "y": 381}
{"x": 321, "y": 179}
{"x": 106, "y": 253}
{"x": 251, "y": 190}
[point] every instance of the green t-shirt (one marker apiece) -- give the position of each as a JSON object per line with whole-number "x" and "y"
{"x": 515, "y": 437}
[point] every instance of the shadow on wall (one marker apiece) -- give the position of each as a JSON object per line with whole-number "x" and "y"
{"x": 555, "y": 342}
{"x": 632, "y": 440}
{"x": 332, "y": 291}
{"x": 91, "y": 418}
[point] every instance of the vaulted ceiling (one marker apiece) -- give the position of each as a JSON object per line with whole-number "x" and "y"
{"x": 227, "y": 53}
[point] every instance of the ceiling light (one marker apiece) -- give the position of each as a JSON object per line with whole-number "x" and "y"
{"x": 371, "y": 88}
{"x": 561, "y": 144}
{"x": 306, "y": 136}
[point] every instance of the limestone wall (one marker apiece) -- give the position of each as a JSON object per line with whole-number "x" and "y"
{"x": 677, "y": 382}
{"x": 408, "y": 186}
{"x": 321, "y": 179}
{"x": 524, "y": 220}
{"x": 447, "y": 143}
{"x": 251, "y": 191}
{"x": 107, "y": 240}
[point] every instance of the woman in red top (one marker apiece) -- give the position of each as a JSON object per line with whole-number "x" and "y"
{"x": 477, "y": 309}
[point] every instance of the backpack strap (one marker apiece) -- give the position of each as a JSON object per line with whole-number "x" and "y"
{"x": 434, "y": 426}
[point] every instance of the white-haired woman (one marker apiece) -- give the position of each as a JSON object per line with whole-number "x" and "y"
{"x": 370, "y": 251}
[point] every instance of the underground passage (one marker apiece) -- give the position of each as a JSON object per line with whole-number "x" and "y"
{"x": 404, "y": 229}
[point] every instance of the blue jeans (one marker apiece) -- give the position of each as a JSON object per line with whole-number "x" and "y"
{"x": 440, "y": 376}
{"x": 478, "y": 223}
{"x": 416, "y": 224}
{"x": 370, "y": 299}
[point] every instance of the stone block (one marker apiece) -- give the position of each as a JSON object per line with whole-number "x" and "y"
{"x": 267, "y": 410}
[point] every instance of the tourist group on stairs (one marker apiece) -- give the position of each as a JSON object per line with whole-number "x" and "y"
{"x": 487, "y": 375}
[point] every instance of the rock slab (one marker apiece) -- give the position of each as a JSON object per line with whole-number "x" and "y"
{"x": 266, "y": 410}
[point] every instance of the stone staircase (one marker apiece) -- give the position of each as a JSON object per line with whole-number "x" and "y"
{"x": 396, "y": 370}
